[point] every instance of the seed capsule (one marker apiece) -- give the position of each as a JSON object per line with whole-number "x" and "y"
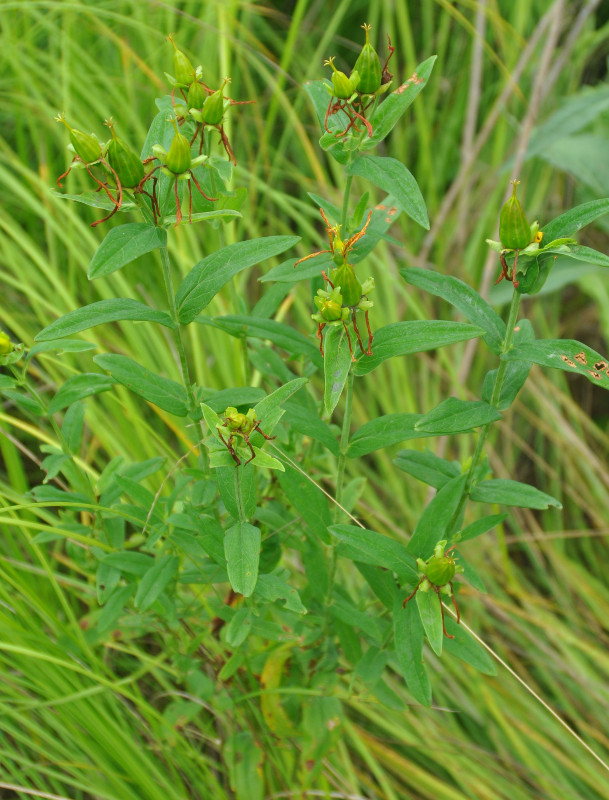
{"x": 344, "y": 87}
{"x": 196, "y": 95}
{"x": 6, "y": 346}
{"x": 124, "y": 161}
{"x": 85, "y": 145}
{"x": 184, "y": 72}
{"x": 213, "y": 108}
{"x": 368, "y": 66}
{"x": 514, "y": 230}
{"x": 440, "y": 571}
{"x": 178, "y": 157}
{"x": 350, "y": 287}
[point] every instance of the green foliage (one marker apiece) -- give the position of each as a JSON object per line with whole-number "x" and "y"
{"x": 161, "y": 592}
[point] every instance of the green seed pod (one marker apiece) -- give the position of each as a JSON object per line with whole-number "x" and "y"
{"x": 196, "y": 95}
{"x": 330, "y": 310}
{"x": 178, "y": 158}
{"x": 85, "y": 145}
{"x": 344, "y": 87}
{"x": 350, "y": 287}
{"x": 124, "y": 161}
{"x": 184, "y": 72}
{"x": 514, "y": 230}
{"x": 440, "y": 571}
{"x": 6, "y": 346}
{"x": 213, "y": 108}
{"x": 235, "y": 420}
{"x": 368, "y": 66}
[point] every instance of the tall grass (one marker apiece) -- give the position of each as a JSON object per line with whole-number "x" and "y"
{"x": 83, "y": 720}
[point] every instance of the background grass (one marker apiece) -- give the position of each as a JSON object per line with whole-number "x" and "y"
{"x": 82, "y": 720}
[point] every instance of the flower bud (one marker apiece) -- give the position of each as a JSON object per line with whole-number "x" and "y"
{"x": 368, "y": 66}
{"x": 6, "y": 346}
{"x": 344, "y": 87}
{"x": 85, "y": 145}
{"x": 178, "y": 158}
{"x": 514, "y": 230}
{"x": 184, "y": 72}
{"x": 124, "y": 161}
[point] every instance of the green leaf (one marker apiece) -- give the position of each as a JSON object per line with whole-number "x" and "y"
{"x": 238, "y": 629}
{"x": 237, "y": 396}
{"x": 586, "y": 254}
{"x": 124, "y": 244}
{"x": 130, "y": 562}
{"x": 397, "y": 102}
{"x": 568, "y": 355}
{"x": 228, "y": 489}
{"x": 516, "y": 373}
{"x": 98, "y": 313}
{"x": 427, "y": 467}
{"x": 308, "y": 423}
{"x": 430, "y": 611}
{"x": 381, "y": 581}
{"x": 245, "y": 760}
{"x": 94, "y": 199}
{"x": 337, "y": 363}
{"x": 269, "y": 410}
{"x": 163, "y": 392}
{"x": 207, "y": 277}
{"x": 72, "y": 427}
{"x": 408, "y": 634}
{"x": 466, "y": 648}
{"x": 383, "y": 432}
{"x": 112, "y": 610}
{"x": 308, "y": 501}
{"x": 479, "y": 527}
{"x": 404, "y": 338}
{"x": 391, "y": 176}
{"x": 79, "y": 386}
{"x": 7, "y": 382}
{"x": 457, "y": 416}
{"x": 273, "y": 587}
{"x": 512, "y": 493}
{"x": 156, "y": 581}
{"x": 242, "y": 551}
{"x": 463, "y": 298}
{"x": 283, "y": 336}
{"x": 60, "y": 346}
{"x": 205, "y": 216}
{"x": 575, "y": 219}
{"x": 287, "y": 272}
{"x": 370, "y": 547}
{"x": 436, "y": 520}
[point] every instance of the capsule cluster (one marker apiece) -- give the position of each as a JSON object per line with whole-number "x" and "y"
{"x": 115, "y": 168}
{"x": 354, "y": 94}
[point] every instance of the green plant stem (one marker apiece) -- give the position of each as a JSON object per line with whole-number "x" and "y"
{"x": 495, "y": 397}
{"x": 344, "y": 441}
{"x": 176, "y": 331}
{"x": 345, "y": 210}
{"x": 239, "y": 496}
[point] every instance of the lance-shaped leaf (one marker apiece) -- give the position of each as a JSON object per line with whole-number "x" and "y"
{"x": 242, "y": 551}
{"x": 463, "y": 298}
{"x": 337, "y": 363}
{"x": 124, "y": 244}
{"x": 436, "y": 521}
{"x": 397, "y": 102}
{"x": 408, "y": 634}
{"x": 156, "y": 580}
{"x": 512, "y": 493}
{"x": 427, "y": 467}
{"x": 430, "y": 611}
{"x": 568, "y": 355}
{"x": 371, "y": 547}
{"x": 404, "y": 338}
{"x": 163, "y": 392}
{"x": 207, "y": 277}
{"x": 78, "y": 387}
{"x": 383, "y": 432}
{"x": 465, "y": 647}
{"x": 392, "y": 177}
{"x": 113, "y": 310}
{"x": 575, "y": 219}
{"x": 457, "y": 416}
